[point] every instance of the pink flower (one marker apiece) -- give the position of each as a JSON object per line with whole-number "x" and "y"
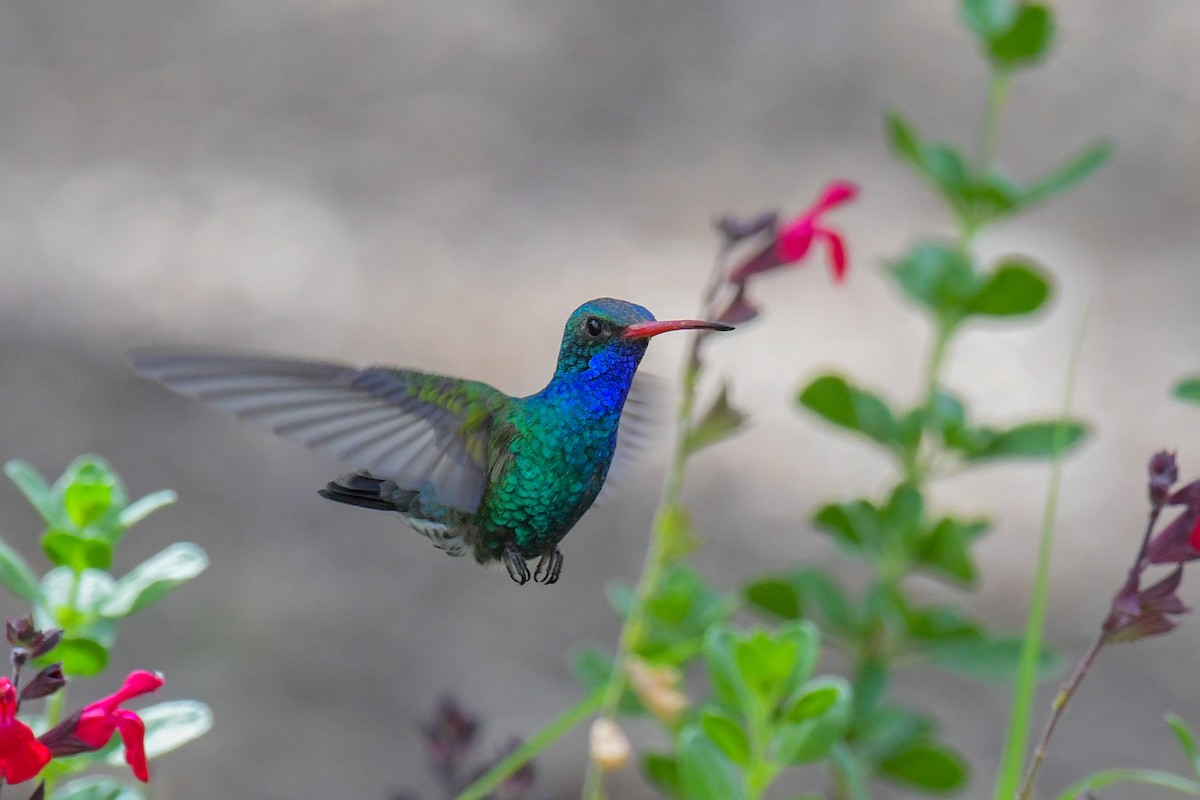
{"x": 794, "y": 239}
{"x": 790, "y": 242}
{"x": 21, "y": 755}
{"x": 98, "y": 721}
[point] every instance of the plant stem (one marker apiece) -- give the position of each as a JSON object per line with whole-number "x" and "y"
{"x": 549, "y": 733}
{"x": 666, "y": 521}
{"x": 1060, "y": 704}
{"x": 1081, "y": 669}
{"x": 1025, "y": 687}
{"x": 997, "y": 94}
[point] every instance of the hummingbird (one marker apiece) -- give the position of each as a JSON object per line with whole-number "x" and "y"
{"x": 474, "y": 470}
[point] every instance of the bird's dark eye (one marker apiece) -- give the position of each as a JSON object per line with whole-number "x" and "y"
{"x": 594, "y": 327}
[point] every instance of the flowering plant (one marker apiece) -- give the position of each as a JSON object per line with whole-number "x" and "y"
{"x": 69, "y": 635}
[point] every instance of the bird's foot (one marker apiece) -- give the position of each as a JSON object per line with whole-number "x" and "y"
{"x": 514, "y": 562}
{"x": 549, "y": 567}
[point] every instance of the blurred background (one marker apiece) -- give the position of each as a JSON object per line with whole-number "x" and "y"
{"x": 437, "y": 186}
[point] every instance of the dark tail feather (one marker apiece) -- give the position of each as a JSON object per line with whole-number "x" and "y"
{"x": 356, "y": 489}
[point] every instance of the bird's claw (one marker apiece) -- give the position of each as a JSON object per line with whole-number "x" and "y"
{"x": 514, "y": 562}
{"x": 549, "y": 567}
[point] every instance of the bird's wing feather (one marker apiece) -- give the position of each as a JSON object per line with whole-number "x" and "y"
{"x": 642, "y": 423}
{"x": 414, "y": 428}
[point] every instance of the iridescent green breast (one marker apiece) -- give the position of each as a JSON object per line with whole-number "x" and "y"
{"x": 557, "y": 459}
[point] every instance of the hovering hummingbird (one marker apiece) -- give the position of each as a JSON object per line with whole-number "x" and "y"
{"x": 471, "y": 468}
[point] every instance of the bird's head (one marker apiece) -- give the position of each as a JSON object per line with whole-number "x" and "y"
{"x": 607, "y": 335}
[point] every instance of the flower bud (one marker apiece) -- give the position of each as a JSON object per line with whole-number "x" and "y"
{"x": 608, "y": 745}
{"x": 19, "y": 657}
{"x": 45, "y": 683}
{"x": 19, "y": 631}
{"x": 1164, "y": 472}
{"x": 45, "y": 641}
{"x": 658, "y": 689}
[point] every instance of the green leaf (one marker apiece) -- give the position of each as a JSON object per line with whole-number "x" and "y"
{"x": 1015, "y": 288}
{"x": 1026, "y": 40}
{"x": 988, "y": 18}
{"x": 704, "y": 772}
{"x": 995, "y": 660}
{"x": 835, "y": 400}
{"x": 153, "y": 578}
{"x": 679, "y": 612}
{"x": 937, "y": 162}
{"x": 901, "y": 518}
{"x": 812, "y": 723}
{"x": 97, "y": 788}
{"x": 855, "y": 526}
{"x": 720, "y": 645}
{"x": 1030, "y": 440}
{"x": 729, "y": 736}
{"x": 928, "y": 766}
{"x": 1188, "y": 391}
{"x": 674, "y": 528}
{"x": 34, "y": 487}
{"x": 940, "y": 278}
{"x": 65, "y": 548}
{"x": 947, "y": 549}
{"x": 91, "y": 492}
{"x": 663, "y": 771}
{"x": 140, "y": 509}
{"x": 1071, "y": 173}
{"x": 170, "y": 725}
{"x": 15, "y": 574}
{"x": 887, "y": 731}
{"x": 1187, "y": 739}
{"x": 592, "y": 666}
{"x": 821, "y": 592}
{"x": 81, "y": 657}
{"x": 806, "y": 639}
{"x": 775, "y": 596}
{"x": 72, "y": 599}
{"x": 720, "y": 421}
{"x": 1098, "y": 780}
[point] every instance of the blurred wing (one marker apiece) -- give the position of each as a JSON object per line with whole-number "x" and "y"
{"x": 643, "y": 420}
{"x": 410, "y": 427}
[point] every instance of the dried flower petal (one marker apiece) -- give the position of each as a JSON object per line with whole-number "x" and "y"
{"x": 608, "y": 745}
{"x": 658, "y": 689}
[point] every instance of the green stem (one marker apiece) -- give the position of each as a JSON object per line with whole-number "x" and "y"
{"x": 665, "y": 522}
{"x": 997, "y": 94}
{"x": 916, "y": 462}
{"x": 1017, "y": 739}
{"x": 53, "y": 710}
{"x": 550, "y": 733}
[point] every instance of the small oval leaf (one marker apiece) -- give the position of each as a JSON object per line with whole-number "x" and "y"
{"x": 928, "y": 766}
{"x": 704, "y": 772}
{"x": 1016, "y": 287}
{"x": 96, "y": 788}
{"x": 15, "y": 574}
{"x": 170, "y": 725}
{"x": 154, "y": 577}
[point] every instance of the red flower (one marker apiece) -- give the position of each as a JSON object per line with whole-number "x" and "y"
{"x": 21, "y": 755}
{"x": 98, "y": 721}
{"x": 789, "y": 244}
{"x": 793, "y": 240}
